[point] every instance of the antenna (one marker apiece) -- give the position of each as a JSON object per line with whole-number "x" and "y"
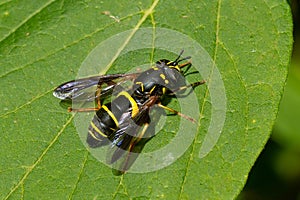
{"x": 180, "y": 54}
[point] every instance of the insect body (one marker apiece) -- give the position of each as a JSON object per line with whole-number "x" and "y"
{"x": 121, "y": 120}
{"x": 109, "y": 118}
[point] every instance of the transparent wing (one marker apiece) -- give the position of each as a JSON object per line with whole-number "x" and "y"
{"x": 90, "y": 88}
{"x": 130, "y": 140}
{"x": 128, "y": 134}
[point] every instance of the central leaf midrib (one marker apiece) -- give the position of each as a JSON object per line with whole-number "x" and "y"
{"x": 205, "y": 97}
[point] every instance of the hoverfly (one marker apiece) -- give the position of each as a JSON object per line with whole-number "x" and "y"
{"x": 124, "y": 121}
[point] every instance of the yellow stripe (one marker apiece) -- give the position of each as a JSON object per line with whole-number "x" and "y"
{"x": 134, "y": 106}
{"x": 142, "y": 85}
{"x": 176, "y": 67}
{"x": 152, "y": 89}
{"x": 155, "y": 68}
{"x": 111, "y": 115}
{"x": 162, "y": 76}
{"x": 92, "y": 134}
{"x": 96, "y": 129}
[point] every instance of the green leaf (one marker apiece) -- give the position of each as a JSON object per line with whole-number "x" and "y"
{"x": 287, "y": 127}
{"x": 43, "y": 45}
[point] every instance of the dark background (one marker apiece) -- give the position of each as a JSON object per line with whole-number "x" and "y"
{"x": 276, "y": 173}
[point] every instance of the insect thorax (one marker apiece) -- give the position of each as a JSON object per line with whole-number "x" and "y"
{"x": 157, "y": 81}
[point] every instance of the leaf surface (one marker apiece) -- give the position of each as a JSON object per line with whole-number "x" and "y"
{"x": 43, "y": 44}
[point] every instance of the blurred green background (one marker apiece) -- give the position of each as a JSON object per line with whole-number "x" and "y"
{"x": 276, "y": 173}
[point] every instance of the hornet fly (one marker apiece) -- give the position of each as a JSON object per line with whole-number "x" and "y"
{"x": 123, "y": 122}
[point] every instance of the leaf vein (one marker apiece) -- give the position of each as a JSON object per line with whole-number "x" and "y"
{"x": 55, "y": 51}
{"x": 5, "y": 2}
{"x": 217, "y": 40}
{"x": 26, "y": 104}
{"x": 140, "y": 22}
{"x": 79, "y": 175}
{"x": 27, "y": 19}
{"x": 30, "y": 168}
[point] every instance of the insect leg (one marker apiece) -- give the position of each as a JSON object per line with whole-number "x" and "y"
{"x": 188, "y": 64}
{"x": 177, "y": 113}
{"x": 193, "y": 85}
{"x": 132, "y": 152}
{"x": 140, "y": 136}
{"x": 185, "y": 64}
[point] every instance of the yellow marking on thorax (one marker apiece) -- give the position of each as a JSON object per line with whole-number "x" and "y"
{"x": 134, "y": 106}
{"x": 155, "y": 68}
{"x": 162, "y": 76}
{"x": 176, "y": 67}
{"x": 111, "y": 115}
{"x": 141, "y": 84}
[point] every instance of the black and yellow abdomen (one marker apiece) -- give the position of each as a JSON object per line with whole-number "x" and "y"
{"x": 108, "y": 118}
